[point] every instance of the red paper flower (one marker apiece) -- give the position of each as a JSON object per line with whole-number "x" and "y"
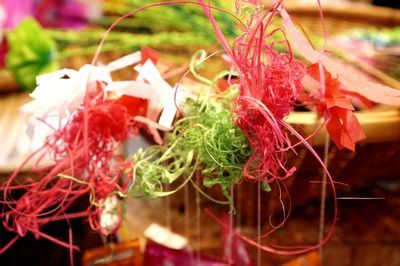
{"x": 342, "y": 124}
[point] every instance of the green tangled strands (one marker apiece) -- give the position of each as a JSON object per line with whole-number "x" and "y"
{"x": 205, "y": 140}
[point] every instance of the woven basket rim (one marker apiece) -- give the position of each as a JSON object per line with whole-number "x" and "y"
{"x": 382, "y": 16}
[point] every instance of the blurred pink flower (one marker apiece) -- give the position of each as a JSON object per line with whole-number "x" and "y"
{"x": 3, "y": 52}
{"x": 66, "y": 14}
{"x": 73, "y": 14}
{"x": 15, "y": 11}
{"x": 51, "y": 13}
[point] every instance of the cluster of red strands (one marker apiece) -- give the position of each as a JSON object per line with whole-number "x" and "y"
{"x": 84, "y": 164}
{"x": 270, "y": 83}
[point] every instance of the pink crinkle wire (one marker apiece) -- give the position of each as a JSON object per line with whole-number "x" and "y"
{"x": 270, "y": 82}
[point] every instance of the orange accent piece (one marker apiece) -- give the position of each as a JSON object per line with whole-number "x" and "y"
{"x": 121, "y": 254}
{"x": 135, "y": 106}
{"x": 342, "y": 125}
{"x": 148, "y": 53}
{"x": 310, "y": 259}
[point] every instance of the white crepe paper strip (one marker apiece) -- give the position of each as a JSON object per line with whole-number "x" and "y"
{"x": 56, "y": 97}
{"x": 175, "y": 97}
{"x": 62, "y": 96}
{"x": 375, "y": 92}
{"x": 165, "y": 237}
{"x": 66, "y": 72}
{"x": 59, "y": 94}
{"x": 157, "y": 90}
{"x": 169, "y": 98}
{"x": 134, "y": 88}
{"x": 52, "y": 94}
{"x": 125, "y": 61}
{"x": 89, "y": 74}
{"x": 149, "y": 72}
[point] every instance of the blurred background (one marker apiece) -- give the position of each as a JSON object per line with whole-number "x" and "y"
{"x": 41, "y": 36}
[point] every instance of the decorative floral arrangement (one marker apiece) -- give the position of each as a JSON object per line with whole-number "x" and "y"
{"x": 224, "y": 134}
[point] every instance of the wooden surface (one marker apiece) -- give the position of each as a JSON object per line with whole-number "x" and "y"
{"x": 380, "y": 124}
{"x": 342, "y": 16}
{"x": 7, "y": 82}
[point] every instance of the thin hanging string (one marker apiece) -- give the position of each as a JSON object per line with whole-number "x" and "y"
{"x": 168, "y": 217}
{"x": 187, "y": 220}
{"x": 198, "y": 214}
{"x": 326, "y": 144}
{"x": 259, "y": 221}
{"x": 239, "y": 207}
{"x": 187, "y": 213}
{"x": 360, "y": 198}
{"x": 230, "y": 232}
{"x": 71, "y": 243}
{"x": 323, "y": 198}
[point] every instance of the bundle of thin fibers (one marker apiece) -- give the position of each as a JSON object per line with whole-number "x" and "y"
{"x": 73, "y": 175}
{"x": 206, "y": 139}
{"x": 270, "y": 82}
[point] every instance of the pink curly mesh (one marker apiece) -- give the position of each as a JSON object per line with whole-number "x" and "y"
{"x": 270, "y": 82}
